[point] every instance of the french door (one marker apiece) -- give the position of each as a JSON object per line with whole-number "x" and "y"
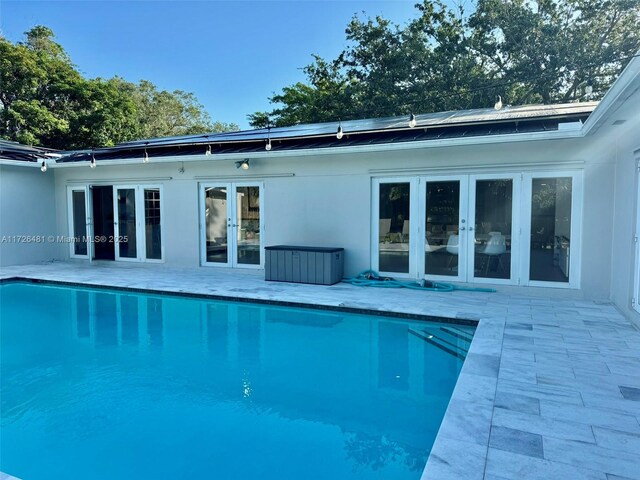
{"x": 137, "y": 223}
{"x": 499, "y": 228}
{"x": 79, "y": 215}
{"x": 231, "y": 224}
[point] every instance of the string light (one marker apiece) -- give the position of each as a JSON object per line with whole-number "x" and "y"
{"x": 244, "y": 164}
{"x": 267, "y": 147}
{"x": 93, "y": 161}
{"x": 340, "y": 132}
{"x": 145, "y": 159}
{"x": 498, "y": 105}
{"x": 412, "y": 121}
{"x": 208, "y": 152}
{"x": 43, "y": 168}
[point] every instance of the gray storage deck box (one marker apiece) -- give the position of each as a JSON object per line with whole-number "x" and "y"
{"x": 317, "y": 265}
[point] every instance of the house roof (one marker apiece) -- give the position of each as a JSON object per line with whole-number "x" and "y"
{"x": 391, "y": 130}
{"x": 22, "y": 153}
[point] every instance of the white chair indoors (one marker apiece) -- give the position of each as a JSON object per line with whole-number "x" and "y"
{"x": 384, "y": 229}
{"x": 404, "y": 236}
{"x": 452, "y": 248}
{"x": 496, "y": 246}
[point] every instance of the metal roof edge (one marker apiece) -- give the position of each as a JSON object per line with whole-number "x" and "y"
{"x": 22, "y": 163}
{"x": 625, "y": 85}
{"x": 382, "y": 147}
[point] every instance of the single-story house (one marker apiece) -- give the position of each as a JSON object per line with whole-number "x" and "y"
{"x": 535, "y": 196}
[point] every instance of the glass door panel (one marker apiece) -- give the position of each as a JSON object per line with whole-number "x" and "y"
{"x": 492, "y": 209}
{"x": 126, "y": 223}
{"x": 79, "y": 222}
{"x": 152, "y": 229}
{"x": 550, "y": 244}
{"x": 442, "y": 235}
{"x": 232, "y": 225}
{"x": 216, "y": 219}
{"x": 247, "y": 224}
{"x": 393, "y": 233}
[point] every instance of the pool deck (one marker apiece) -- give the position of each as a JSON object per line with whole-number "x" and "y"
{"x": 550, "y": 388}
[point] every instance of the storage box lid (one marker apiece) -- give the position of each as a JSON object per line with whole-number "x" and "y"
{"x": 305, "y": 249}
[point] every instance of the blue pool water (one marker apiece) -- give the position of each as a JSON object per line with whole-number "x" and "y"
{"x": 99, "y": 384}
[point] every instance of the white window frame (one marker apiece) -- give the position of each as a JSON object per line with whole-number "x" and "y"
{"x": 413, "y": 225}
{"x": 462, "y": 226}
{"x": 116, "y": 223}
{"x": 140, "y": 229}
{"x": 232, "y": 222}
{"x": 521, "y": 227}
{"x": 141, "y": 235}
{"x": 576, "y": 227}
{"x": 88, "y": 221}
{"x": 515, "y": 228}
{"x": 143, "y": 254}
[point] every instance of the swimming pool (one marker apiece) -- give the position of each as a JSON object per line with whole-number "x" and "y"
{"x": 102, "y": 384}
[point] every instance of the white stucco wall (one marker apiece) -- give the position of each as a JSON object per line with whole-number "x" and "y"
{"x": 624, "y": 259}
{"x": 27, "y": 209}
{"x": 325, "y": 200}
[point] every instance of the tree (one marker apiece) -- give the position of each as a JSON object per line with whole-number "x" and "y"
{"x": 38, "y": 83}
{"x": 163, "y": 113}
{"x": 45, "y": 101}
{"x": 527, "y": 51}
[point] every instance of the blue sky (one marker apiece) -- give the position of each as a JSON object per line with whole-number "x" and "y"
{"x": 232, "y": 54}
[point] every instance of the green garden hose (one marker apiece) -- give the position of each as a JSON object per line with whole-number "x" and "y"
{"x": 371, "y": 278}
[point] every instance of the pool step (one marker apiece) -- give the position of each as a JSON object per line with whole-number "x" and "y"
{"x": 439, "y": 340}
{"x": 458, "y": 333}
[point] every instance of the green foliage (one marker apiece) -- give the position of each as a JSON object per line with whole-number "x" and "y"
{"x": 45, "y": 101}
{"x": 526, "y": 51}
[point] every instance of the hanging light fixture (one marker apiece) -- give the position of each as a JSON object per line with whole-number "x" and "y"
{"x": 208, "y": 152}
{"x": 340, "y": 132}
{"x": 498, "y": 105}
{"x": 243, "y": 164}
{"x": 412, "y": 121}
{"x": 93, "y": 161}
{"x": 145, "y": 159}
{"x": 267, "y": 147}
{"x": 43, "y": 167}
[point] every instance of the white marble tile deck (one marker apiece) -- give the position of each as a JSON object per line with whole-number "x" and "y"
{"x": 550, "y": 388}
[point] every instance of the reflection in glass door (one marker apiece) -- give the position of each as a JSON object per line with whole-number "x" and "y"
{"x": 550, "y": 245}
{"x": 393, "y": 205}
{"x": 549, "y": 230}
{"x": 491, "y": 217}
{"x": 445, "y": 227}
{"x": 248, "y": 224}
{"x": 79, "y": 221}
{"x": 126, "y": 223}
{"x": 232, "y": 224}
{"x": 215, "y": 215}
{"x": 137, "y": 223}
{"x": 152, "y": 224}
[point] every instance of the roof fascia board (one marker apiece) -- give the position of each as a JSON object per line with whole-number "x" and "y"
{"x": 626, "y": 84}
{"x": 21, "y": 163}
{"x": 384, "y": 147}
